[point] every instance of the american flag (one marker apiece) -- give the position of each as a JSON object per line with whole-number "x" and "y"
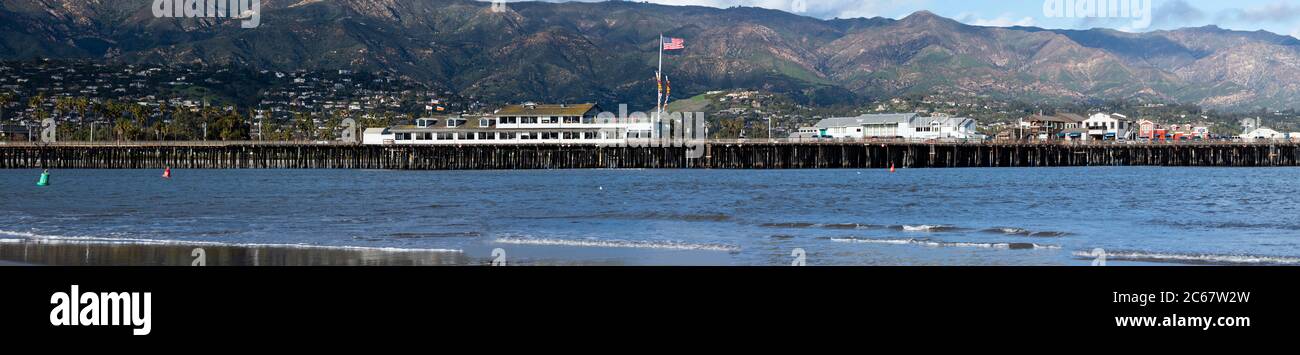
{"x": 673, "y": 43}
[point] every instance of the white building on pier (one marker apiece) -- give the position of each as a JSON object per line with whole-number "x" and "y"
{"x": 893, "y": 126}
{"x": 516, "y": 124}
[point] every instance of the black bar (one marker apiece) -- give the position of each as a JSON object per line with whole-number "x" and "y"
{"x": 291, "y": 302}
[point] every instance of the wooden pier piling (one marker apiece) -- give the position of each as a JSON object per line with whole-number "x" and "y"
{"x": 717, "y": 155}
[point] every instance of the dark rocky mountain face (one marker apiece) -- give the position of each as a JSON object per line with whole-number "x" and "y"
{"x": 606, "y": 52}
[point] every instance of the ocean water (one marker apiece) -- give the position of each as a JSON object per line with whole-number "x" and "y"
{"x": 998, "y": 216}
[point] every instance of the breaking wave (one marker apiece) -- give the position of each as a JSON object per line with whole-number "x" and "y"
{"x": 1049, "y": 234}
{"x": 926, "y": 228}
{"x": 1007, "y": 231}
{"x": 1195, "y": 259}
{"x": 685, "y": 217}
{"x": 851, "y": 226}
{"x": 415, "y": 235}
{"x": 788, "y": 225}
{"x": 937, "y": 243}
{"x": 614, "y": 243}
{"x": 820, "y": 225}
{"x": 1024, "y": 232}
{"x": 60, "y": 239}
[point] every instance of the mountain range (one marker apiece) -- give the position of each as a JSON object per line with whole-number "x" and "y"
{"x": 606, "y": 52}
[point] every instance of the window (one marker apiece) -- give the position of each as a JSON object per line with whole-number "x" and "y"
{"x": 528, "y": 120}
{"x": 445, "y": 136}
{"x": 548, "y": 119}
{"x": 570, "y": 135}
{"x": 487, "y": 135}
{"x": 485, "y": 122}
{"x": 588, "y": 135}
{"x": 507, "y": 135}
{"x": 571, "y": 119}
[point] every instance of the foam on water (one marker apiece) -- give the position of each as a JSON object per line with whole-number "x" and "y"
{"x": 55, "y": 239}
{"x": 926, "y": 228}
{"x": 937, "y": 243}
{"x": 614, "y": 243}
{"x": 820, "y": 225}
{"x": 788, "y": 225}
{"x": 1008, "y": 231}
{"x": 1200, "y": 259}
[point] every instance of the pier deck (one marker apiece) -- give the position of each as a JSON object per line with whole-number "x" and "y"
{"x": 718, "y": 155}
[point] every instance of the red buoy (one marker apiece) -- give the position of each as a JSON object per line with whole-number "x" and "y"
{"x": 891, "y": 167}
{"x": 167, "y": 173}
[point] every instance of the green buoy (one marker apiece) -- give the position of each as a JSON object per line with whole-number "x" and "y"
{"x": 45, "y": 178}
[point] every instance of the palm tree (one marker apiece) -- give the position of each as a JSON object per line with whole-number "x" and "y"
{"x": 5, "y": 99}
{"x": 303, "y": 125}
{"x": 82, "y": 103}
{"x": 36, "y": 102}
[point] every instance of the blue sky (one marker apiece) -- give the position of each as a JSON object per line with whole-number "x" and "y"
{"x": 1277, "y": 16}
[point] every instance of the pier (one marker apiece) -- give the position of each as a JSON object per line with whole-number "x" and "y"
{"x": 717, "y": 155}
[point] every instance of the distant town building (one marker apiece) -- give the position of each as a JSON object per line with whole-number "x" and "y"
{"x": 1262, "y": 133}
{"x": 1043, "y": 127}
{"x": 1146, "y": 129}
{"x": 1108, "y": 126}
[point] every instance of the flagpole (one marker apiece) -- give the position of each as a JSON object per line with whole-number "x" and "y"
{"x": 659, "y": 98}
